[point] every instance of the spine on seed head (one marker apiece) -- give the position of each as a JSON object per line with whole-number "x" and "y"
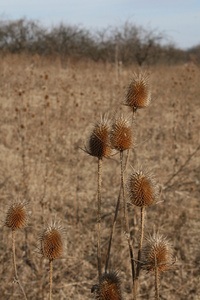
{"x": 157, "y": 252}
{"x": 99, "y": 141}
{"x": 142, "y": 189}
{"x": 138, "y": 92}
{"x": 52, "y": 242}
{"x": 121, "y": 135}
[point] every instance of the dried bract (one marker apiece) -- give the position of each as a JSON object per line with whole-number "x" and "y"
{"x": 157, "y": 252}
{"x": 138, "y": 92}
{"x": 142, "y": 189}
{"x": 109, "y": 287}
{"x": 16, "y": 217}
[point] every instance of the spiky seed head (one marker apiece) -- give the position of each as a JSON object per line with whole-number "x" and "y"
{"x": 99, "y": 140}
{"x": 158, "y": 251}
{"x": 52, "y": 243}
{"x": 142, "y": 189}
{"x": 138, "y": 93}
{"x": 109, "y": 287}
{"x": 121, "y": 136}
{"x": 16, "y": 216}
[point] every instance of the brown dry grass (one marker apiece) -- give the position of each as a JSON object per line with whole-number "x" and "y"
{"x": 46, "y": 114}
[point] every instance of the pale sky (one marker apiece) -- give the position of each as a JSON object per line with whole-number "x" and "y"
{"x": 178, "y": 19}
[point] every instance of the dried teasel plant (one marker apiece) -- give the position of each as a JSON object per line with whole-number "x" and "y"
{"x": 109, "y": 287}
{"x": 99, "y": 146}
{"x": 142, "y": 192}
{"x": 16, "y": 218}
{"x": 121, "y": 138}
{"x": 138, "y": 93}
{"x": 52, "y": 247}
{"x": 157, "y": 256}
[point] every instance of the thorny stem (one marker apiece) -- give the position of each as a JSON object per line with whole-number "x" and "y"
{"x": 14, "y": 257}
{"x": 127, "y": 230}
{"x": 50, "y": 278}
{"x": 112, "y": 230}
{"x": 140, "y": 245}
{"x": 41, "y": 290}
{"x": 128, "y": 151}
{"x": 156, "y": 280}
{"x": 14, "y": 265}
{"x": 99, "y": 218}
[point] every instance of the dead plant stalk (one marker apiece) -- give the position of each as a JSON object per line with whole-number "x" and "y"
{"x": 127, "y": 230}
{"x": 14, "y": 265}
{"x": 99, "y": 217}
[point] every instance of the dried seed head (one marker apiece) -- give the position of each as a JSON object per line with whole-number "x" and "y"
{"x": 98, "y": 144}
{"x": 138, "y": 92}
{"x": 16, "y": 216}
{"x": 142, "y": 189}
{"x": 157, "y": 251}
{"x": 52, "y": 242}
{"x": 109, "y": 287}
{"x": 121, "y": 136}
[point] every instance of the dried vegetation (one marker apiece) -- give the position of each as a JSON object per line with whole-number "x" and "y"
{"x": 46, "y": 112}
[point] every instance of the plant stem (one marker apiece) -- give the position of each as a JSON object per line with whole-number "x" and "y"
{"x": 14, "y": 257}
{"x": 50, "y": 278}
{"x": 141, "y": 240}
{"x": 140, "y": 245}
{"x": 127, "y": 230}
{"x": 112, "y": 230}
{"x": 156, "y": 281}
{"x": 128, "y": 151}
{"x": 99, "y": 218}
{"x": 14, "y": 265}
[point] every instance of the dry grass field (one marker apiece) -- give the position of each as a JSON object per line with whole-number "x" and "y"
{"x": 47, "y": 112}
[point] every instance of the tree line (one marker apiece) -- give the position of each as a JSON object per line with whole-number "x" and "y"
{"x": 127, "y": 43}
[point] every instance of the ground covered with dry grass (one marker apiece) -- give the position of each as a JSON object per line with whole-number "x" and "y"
{"x": 47, "y": 112}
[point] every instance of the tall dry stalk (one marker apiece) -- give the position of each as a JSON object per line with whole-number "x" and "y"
{"x": 127, "y": 230}
{"x": 128, "y": 150}
{"x": 15, "y": 266}
{"x": 50, "y": 278}
{"x": 140, "y": 245}
{"x": 98, "y": 146}
{"x": 112, "y": 230}
{"x": 121, "y": 140}
{"x": 143, "y": 192}
{"x": 156, "y": 279}
{"x": 99, "y": 217}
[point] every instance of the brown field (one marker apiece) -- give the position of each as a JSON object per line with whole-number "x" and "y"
{"x": 47, "y": 111}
